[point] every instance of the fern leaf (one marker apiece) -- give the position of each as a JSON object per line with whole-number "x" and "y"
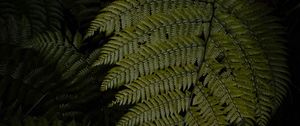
{"x": 180, "y": 78}
{"x": 260, "y": 29}
{"x": 152, "y": 29}
{"x": 229, "y": 93}
{"x": 206, "y": 111}
{"x": 253, "y": 55}
{"x": 121, "y": 14}
{"x": 159, "y": 106}
{"x": 239, "y": 57}
{"x": 269, "y": 41}
{"x": 172, "y": 120}
{"x": 187, "y": 50}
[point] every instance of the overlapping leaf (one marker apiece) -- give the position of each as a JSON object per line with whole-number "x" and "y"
{"x": 242, "y": 71}
{"x": 174, "y": 52}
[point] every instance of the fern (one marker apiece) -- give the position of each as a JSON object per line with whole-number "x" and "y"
{"x": 205, "y": 110}
{"x": 81, "y": 12}
{"x": 54, "y": 80}
{"x": 152, "y": 29}
{"x": 165, "y": 80}
{"x": 149, "y": 59}
{"x": 54, "y": 46}
{"x": 159, "y": 62}
{"x": 40, "y": 121}
{"x": 25, "y": 18}
{"x": 45, "y": 84}
{"x": 230, "y": 52}
{"x": 173, "y": 119}
{"x": 157, "y": 107}
{"x": 121, "y": 14}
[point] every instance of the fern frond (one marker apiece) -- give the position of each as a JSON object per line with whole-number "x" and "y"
{"x": 240, "y": 61}
{"x": 25, "y": 18}
{"x": 42, "y": 121}
{"x": 172, "y": 120}
{"x": 251, "y": 57}
{"x": 74, "y": 67}
{"x": 52, "y": 84}
{"x": 160, "y": 106}
{"x": 7, "y": 8}
{"x": 189, "y": 21}
{"x": 230, "y": 93}
{"x": 174, "y": 52}
{"x": 277, "y": 62}
{"x": 121, "y": 14}
{"x": 19, "y": 82}
{"x": 170, "y": 79}
{"x": 255, "y": 54}
{"x": 54, "y": 14}
{"x": 83, "y": 11}
{"x": 50, "y": 45}
{"x": 259, "y": 26}
{"x": 206, "y": 109}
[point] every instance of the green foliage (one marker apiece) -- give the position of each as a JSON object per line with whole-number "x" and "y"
{"x": 151, "y": 57}
{"x": 239, "y": 74}
{"x": 157, "y": 83}
{"x": 81, "y": 12}
{"x": 129, "y": 40}
{"x": 156, "y": 107}
{"x": 44, "y": 85}
{"x": 156, "y": 62}
{"x": 122, "y": 14}
{"x": 42, "y": 73}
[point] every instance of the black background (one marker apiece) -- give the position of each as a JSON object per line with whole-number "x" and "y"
{"x": 289, "y": 11}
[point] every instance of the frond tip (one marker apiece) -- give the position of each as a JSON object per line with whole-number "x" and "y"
{"x": 122, "y": 14}
{"x": 157, "y": 27}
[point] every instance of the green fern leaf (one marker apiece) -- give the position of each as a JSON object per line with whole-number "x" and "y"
{"x": 170, "y": 79}
{"x": 172, "y": 120}
{"x": 238, "y": 54}
{"x": 187, "y": 50}
{"x": 152, "y": 29}
{"x": 159, "y": 106}
{"x": 121, "y": 14}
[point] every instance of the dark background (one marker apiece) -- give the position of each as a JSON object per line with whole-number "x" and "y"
{"x": 289, "y": 11}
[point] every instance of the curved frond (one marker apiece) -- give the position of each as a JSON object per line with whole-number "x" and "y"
{"x": 175, "y": 52}
{"x": 238, "y": 54}
{"x": 251, "y": 67}
{"x": 273, "y": 45}
{"x": 122, "y": 14}
{"x": 169, "y": 79}
{"x": 53, "y": 85}
{"x": 181, "y": 22}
